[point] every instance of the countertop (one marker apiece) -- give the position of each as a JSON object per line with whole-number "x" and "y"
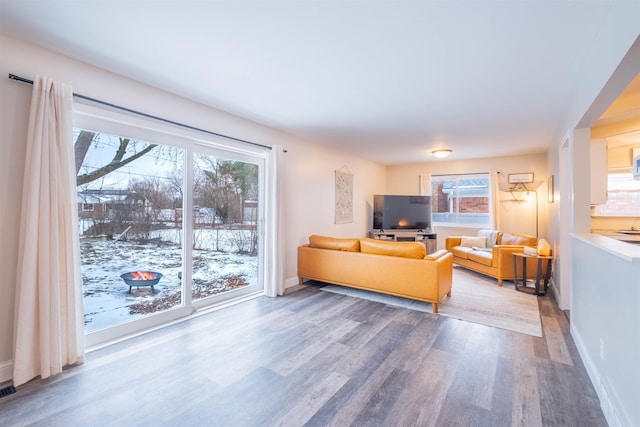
{"x": 630, "y": 236}
{"x": 626, "y": 246}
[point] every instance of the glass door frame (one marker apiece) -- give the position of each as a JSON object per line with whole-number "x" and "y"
{"x": 245, "y": 157}
{"x": 102, "y": 120}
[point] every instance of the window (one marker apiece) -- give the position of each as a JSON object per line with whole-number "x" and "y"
{"x": 130, "y": 234}
{"x": 176, "y": 224}
{"x": 87, "y": 207}
{"x": 623, "y": 196}
{"x": 461, "y": 200}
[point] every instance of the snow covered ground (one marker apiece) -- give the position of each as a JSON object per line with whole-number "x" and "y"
{"x": 107, "y": 300}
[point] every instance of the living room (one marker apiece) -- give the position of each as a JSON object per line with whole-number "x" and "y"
{"x": 598, "y": 287}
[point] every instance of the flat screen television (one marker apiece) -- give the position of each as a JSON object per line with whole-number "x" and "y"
{"x": 392, "y": 212}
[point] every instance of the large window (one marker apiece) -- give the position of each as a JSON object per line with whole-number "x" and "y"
{"x": 174, "y": 225}
{"x": 131, "y": 245}
{"x": 623, "y": 196}
{"x": 461, "y": 200}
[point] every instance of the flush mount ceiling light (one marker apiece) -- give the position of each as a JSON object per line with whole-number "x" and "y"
{"x": 441, "y": 153}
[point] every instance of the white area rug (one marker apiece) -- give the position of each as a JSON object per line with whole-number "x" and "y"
{"x": 474, "y": 298}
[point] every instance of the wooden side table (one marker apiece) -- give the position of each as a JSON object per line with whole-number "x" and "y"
{"x": 541, "y": 274}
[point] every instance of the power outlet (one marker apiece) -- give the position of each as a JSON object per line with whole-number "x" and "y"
{"x": 601, "y": 349}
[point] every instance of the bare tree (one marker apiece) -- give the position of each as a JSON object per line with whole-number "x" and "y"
{"x": 81, "y": 147}
{"x": 155, "y": 190}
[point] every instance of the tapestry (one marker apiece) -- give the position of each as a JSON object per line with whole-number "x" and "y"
{"x": 344, "y": 196}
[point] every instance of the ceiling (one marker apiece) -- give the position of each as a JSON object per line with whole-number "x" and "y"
{"x": 387, "y": 81}
{"x": 620, "y": 123}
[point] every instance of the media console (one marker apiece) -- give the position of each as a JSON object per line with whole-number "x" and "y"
{"x": 428, "y": 238}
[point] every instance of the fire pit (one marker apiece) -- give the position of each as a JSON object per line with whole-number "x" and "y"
{"x": 141, "y": 278}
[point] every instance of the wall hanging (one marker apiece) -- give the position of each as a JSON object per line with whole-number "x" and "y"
{"x": 344, "y": 195}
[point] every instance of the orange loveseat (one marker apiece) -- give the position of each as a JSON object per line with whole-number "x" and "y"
{"x": 494, "y": 257}
{"x": 396, "y": 268}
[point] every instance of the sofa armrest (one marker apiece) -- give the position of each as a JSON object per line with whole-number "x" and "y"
{"x": 437, "y": 254}
{"x": 503, "y": 253}
{"x": 452, "y": 242}
{"x": 503, "y": 260}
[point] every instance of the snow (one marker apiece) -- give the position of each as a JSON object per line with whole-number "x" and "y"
{"x": 107, "y": 300}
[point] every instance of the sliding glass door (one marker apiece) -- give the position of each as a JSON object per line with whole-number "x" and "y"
{"x": 226, "y": 245}
{"x": 168, "y": 225}
{"x": 130, "y": 242}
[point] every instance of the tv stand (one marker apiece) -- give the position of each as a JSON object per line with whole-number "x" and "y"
{"x": 427, "y": 237}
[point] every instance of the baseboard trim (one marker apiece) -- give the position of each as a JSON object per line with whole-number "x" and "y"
{"x": 609, "y": 402}
{"x": 294, "y": 288}
{"x": 290, "y": 283}
{"x": 6, "y": 371}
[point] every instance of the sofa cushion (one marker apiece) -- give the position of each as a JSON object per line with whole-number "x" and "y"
{"x": 400, "y": 249}
{"x": 475, "y": 241}
{"x": 491, "y": 235}
{"x": 518, "y": 239}
{"x": 324, "y": 242}
{"x": 461, "y": 251}
{"x": 481, "y": 257}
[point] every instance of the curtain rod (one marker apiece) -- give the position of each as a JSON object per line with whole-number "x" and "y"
{"x": 149, "y": 116}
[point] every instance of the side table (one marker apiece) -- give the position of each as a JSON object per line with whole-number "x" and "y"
{"x": 545, "y": 274}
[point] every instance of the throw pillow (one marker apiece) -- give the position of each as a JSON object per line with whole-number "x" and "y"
{"x": 491, "y": 235}
{"x": 518, "y": 240}
{"x": 470, "y": 242}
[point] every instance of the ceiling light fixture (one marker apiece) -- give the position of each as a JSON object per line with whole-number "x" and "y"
{"x": 442, "y": 153}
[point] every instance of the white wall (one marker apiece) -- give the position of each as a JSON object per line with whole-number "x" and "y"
{"x": 605, "y": 324}
{"x": 603, "y": 288}
{"x": 516, "y": 217}
{"x": 308, "y": 172}
{"x": 310, "y": 197}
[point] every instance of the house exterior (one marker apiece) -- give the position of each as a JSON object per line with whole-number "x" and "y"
{"x": 108, "y": 204}
{"x": 597, "y": 284}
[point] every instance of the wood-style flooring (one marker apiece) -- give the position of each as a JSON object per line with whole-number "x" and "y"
{"x": 314, "y": 358}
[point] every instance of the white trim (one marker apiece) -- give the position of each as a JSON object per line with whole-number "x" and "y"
{"x": 207, "y": 310}
{"x": 6, "y": 371}
{"x": 609, "y": 403}
{"x": 190, "y": 141}
{"x": 90, "y": 118}
{"x": 291, "y": 282}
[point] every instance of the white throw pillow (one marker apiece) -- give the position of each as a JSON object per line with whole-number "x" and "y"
{"x": 470, "y": 242}
{"x": 491, "y": 236}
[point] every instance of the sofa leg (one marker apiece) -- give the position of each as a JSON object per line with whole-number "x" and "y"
{"x": 300, "y": 281}
{"x": 435, "y": 308}
{"x": 499, "y": 282}
{"x": 449, "y": 294}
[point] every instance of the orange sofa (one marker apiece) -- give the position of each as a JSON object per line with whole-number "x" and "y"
{"x": 395, "y": 268}
{"x": 494, "y": 257}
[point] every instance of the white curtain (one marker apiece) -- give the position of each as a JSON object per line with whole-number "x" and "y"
{"x": 495, "y": 197}
{"x": 49, "y": 327}
{"x": 274, "y": 247}
{"x": 424, "y": 184}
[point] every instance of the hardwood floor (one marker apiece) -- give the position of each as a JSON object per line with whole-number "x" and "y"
{"x": 314, "y": 358}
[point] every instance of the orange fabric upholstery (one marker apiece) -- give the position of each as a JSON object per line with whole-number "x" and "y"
{"x": 426, "y": 279}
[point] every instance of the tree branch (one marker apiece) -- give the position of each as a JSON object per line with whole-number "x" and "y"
{"x": 81, "y": 147}
{"x": 116, "y": 163}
